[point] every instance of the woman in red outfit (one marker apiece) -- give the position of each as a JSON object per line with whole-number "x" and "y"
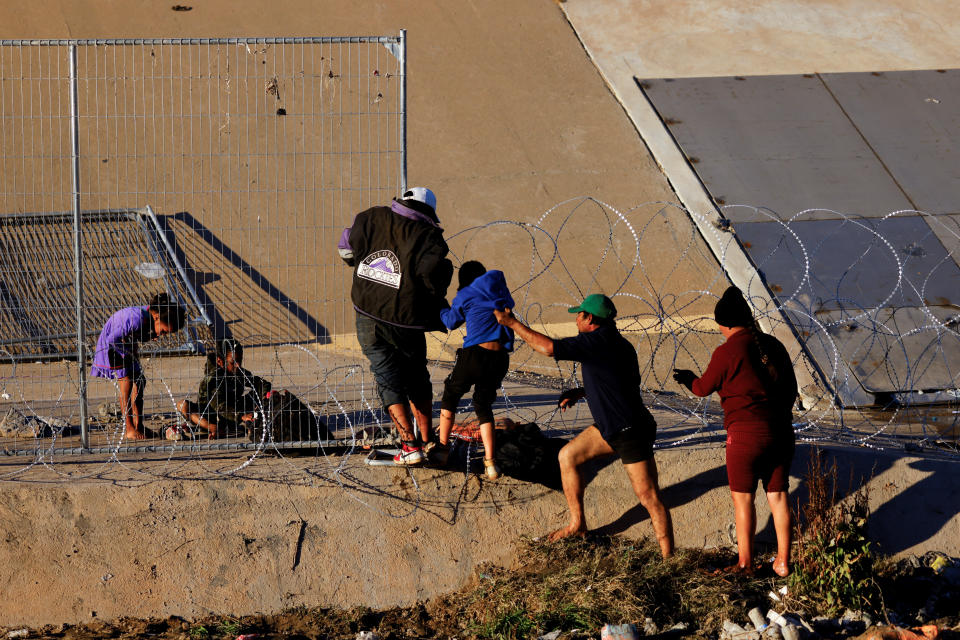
{"x": 753, "y": 375}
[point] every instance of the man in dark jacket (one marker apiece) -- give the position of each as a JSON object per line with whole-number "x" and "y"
{"x": 400, "y": 279}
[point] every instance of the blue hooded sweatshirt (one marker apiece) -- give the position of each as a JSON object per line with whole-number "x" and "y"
{"x": 474, "y": 304}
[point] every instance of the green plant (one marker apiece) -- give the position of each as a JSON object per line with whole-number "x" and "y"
{"x": 229, "y": 627}
{"x": 835, "y": 566}
{"x": 199, "y": 631}
{"x": 508, "y": 625}
{"x": 566, "y": 616}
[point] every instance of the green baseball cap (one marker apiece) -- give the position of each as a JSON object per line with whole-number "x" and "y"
{"x": 598, "y": 305}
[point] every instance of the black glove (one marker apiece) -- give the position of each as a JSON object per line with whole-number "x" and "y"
{"x": 685, "y": 377}
{"x": 572, "y": 396}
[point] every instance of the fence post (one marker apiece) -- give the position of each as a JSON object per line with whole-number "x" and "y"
{"x": 403, "y": 110}
{"x": 77, "y": 257}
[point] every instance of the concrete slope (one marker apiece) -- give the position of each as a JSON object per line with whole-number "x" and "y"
{"x": 689, "y": 38}
{"x": 507, "y": 114}
{"x": 334, "y": 532}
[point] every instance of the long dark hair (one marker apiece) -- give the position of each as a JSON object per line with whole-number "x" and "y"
{"x": 732, "y": 310}
{"x": 760, "y": 359}
{"x": 169, "y": 312}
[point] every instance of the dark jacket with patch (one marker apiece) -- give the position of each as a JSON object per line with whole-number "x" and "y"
{"x": 401, "y": 272}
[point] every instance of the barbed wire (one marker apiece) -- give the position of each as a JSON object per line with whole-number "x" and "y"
{"x": 652, "y": 260}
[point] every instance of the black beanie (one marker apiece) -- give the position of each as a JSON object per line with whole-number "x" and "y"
{"x": 732, "y": 310}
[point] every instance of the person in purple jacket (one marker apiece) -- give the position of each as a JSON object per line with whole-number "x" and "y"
{"x": 483, "y": 360}
{"x": 116, "y": 354}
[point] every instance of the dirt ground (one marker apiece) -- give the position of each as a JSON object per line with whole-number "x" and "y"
{"x": 220, "y": 536}
{"x": 681, "y": 597}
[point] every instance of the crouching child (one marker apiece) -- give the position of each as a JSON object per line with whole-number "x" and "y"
{"x": 229, "y": 398}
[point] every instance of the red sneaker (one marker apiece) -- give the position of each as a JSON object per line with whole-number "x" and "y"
{"x": 408, "y": 455}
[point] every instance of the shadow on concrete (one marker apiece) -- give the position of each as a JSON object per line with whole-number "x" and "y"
{"x": 913, "y": 513}
{"x": 672, "y": 496}
{"x": 251, "y": 275}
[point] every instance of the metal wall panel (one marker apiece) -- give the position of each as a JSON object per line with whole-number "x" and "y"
{"x": 775, "y": 141}
{"x": 912, "y": 122}
{"x": 839, "y": 188}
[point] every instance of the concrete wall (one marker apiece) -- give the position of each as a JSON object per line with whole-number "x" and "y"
{"x": 283, "y": 533}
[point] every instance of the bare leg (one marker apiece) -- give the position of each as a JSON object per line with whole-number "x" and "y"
{"x": 586, "y": 446}
{"x": 138, "y": 404}
{"x": 189, "y": 412}
{"x": 131, "y": 415}
{"x": 745, "y": 516}
{"x": 401, "y": 420}
{"x": 423, "y": 414}
{"x": 780, "y": 510}
{"x": 446, "y": 425}
{"x": 488, "y": 437}
{"x": 643, "y": 477}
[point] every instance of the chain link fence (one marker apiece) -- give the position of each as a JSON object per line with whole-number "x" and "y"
{"x": 218, "y": 171}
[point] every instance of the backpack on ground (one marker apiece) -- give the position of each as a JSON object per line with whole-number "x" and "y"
{"x": 523, "y": 452}
{"x": 287, "y": 419}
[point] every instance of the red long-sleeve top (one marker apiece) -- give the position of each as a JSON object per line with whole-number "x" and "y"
{"x": 743, "y": 395}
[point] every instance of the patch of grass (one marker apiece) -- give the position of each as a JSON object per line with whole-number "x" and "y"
{"x": 506, "y": 625}
{"x": 584, "y": 584}
{"x": 229, "y": 627}
{"x": 835, "y": 567}
{"x": 199, "y": 631}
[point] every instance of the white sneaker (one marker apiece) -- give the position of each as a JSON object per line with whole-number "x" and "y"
{"x": 408, "y": 455}
{"x": 178, "y": 432}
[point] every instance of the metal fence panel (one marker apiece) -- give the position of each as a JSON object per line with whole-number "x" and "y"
{"x": 219, "y": 170}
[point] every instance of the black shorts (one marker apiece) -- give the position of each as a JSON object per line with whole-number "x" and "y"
{"x": 481, "y": 369}
{"x": 633, "y": 444}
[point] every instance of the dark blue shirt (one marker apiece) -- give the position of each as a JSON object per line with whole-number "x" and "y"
{"x": 474, "y": 304}
{"x": 611, "y": 378}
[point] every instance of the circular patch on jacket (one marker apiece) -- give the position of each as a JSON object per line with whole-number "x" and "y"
{"x": 382, "y": 267}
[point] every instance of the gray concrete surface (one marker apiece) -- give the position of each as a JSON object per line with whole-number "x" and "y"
{"x": 663, "y": 39}
{"x": 730, "y": 127}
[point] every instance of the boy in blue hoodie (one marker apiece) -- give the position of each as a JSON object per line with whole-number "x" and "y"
{"x": 485, "y": 357}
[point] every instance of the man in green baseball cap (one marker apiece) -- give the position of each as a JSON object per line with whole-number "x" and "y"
{"x": 597, "y": 305}
{"x": 622, "y": 424}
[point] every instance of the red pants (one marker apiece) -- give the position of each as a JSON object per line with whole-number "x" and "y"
{"x": 757, "y": 451}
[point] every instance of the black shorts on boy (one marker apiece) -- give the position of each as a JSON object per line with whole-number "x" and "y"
{"x": 480, "y": 368}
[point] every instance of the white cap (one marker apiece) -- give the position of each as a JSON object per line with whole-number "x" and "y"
{"x": 421, "y": 194}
